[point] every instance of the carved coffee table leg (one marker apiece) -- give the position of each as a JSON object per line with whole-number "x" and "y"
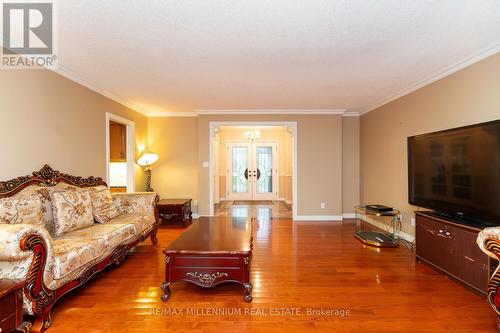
{"x": 248, "y": 292}
{"x": 165, "y": 287}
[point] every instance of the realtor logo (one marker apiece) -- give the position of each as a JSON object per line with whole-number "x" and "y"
{"x": 28, "y": 35}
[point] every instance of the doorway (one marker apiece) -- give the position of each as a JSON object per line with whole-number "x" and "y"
{"x": 253, "y": 165}
{"x": 120, "y": 153}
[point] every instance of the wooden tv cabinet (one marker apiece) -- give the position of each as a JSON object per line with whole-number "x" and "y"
{"x": 451, "y": 248}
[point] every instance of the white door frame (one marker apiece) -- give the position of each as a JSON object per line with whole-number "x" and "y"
{"x": 217, "y": 170}
{"x": 130, "y": 125}
{"x": 213, "y": 125}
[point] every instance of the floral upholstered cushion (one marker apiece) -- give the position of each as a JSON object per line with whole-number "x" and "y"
{"x": 103, "y": 207}
{"x": 47, "y": 204}
{"x": 72, "y": 209}
{"x": 138, "y": 202}
{"x": 22, "y": 208}
{"x": 70, "y": 255}
{"x": 141, "y": 222}
{"x": 109, "y": 235}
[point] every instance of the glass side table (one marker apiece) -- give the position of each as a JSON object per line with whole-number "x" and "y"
{"x": 369, "y": 233}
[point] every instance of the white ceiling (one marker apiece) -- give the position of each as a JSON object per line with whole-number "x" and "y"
{"x": 179, "y": 56}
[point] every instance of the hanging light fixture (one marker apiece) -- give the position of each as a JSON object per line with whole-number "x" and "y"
{"x": 253, "y": 134}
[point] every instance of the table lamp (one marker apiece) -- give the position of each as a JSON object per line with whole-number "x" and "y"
{"x": 147, "y": 159}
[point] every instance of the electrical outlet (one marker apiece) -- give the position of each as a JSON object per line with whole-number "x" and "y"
{"x": 323, "y": 205}
{"x": 412, "y": 222}
{"x": 206, "y": 164}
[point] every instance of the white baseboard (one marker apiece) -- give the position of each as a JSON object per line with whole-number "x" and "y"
{"x": 349, "y": 215}
{"x": 195, "y": 216}
{"x": 325, "y": 218}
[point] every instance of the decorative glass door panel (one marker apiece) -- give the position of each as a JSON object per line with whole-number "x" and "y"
{"x": 239, "y": 168}
{"x": 252, "y": 171}
{"x": 264, "y": 168}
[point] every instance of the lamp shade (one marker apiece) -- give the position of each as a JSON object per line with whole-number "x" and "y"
{"x": 147, "y": 158}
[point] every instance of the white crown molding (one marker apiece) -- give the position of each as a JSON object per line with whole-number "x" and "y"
{"x": 271, "y": 111}
{"x": 350, "y": 114}
{"x": 476, "y": 57}
{"x": 158, "y": 114}
{"x": 71, "y": 76}
{"x": 207, "y": 112}
{"x": 64, "y": 72}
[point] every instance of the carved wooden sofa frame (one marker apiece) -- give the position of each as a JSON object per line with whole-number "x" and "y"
{"x": 43, "y": 298}
{"x": 492, "y": 245}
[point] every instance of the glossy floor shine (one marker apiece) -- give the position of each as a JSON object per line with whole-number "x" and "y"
{"x": 306, "y": 277}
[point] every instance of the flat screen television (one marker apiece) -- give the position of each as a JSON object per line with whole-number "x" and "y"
{"x": 457, "y": 172}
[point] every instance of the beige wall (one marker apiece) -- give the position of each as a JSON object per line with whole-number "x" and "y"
{"x": 350, "y": 164}
{"x": 466, "y": 97}
{"x": 319, "y": 159}
{"x": 175, "y": 140}
{"x": 47, "y": 118}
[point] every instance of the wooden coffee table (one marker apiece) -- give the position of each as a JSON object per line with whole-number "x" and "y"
{"x": 209, "y": 253}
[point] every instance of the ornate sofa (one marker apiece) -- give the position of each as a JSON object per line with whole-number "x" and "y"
{"x": 54, "y": 263}
{"x": 489, "y": 242}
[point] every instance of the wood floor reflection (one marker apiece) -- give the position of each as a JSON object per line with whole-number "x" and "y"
{"x": 261, "y": 210}
{"x": 302, "y": 265}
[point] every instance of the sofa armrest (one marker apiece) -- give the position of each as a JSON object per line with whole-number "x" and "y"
{"x": 137, "y": 202}
{"x": 30, "y": 247}
{"x": 488, "y": 241}
{"x": 11, "y": 240}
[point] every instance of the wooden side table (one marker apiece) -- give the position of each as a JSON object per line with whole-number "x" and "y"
{"x": 175, "y": 211}
{"x": 11, "y": 306}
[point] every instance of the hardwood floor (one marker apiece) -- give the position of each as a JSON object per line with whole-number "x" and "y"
{"x": 295, "y": 265}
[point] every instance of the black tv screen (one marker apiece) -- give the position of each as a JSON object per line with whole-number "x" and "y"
{"x": 457, "y": 171}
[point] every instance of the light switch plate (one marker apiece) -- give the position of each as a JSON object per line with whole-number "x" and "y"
{"x": 206, "y": 164}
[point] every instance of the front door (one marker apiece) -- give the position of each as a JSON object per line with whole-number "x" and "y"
{"x": 252, "y": 171}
